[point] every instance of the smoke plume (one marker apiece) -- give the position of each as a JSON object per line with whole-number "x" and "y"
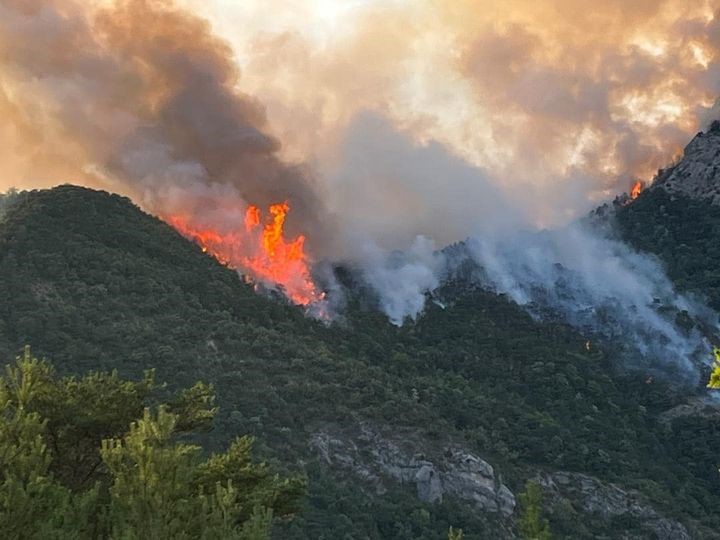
{"x": 556, "y": 103}
{"x": 562, "y": 102}
{"x": 598, "y": 284}
{"x": 139, "y": 96}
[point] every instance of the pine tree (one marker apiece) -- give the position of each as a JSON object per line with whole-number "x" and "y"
{"x": 532, "y": 525}
{"x": 32, "y": 504}
{"x": 115, "y": 469}
{"x": 152, "y": 495}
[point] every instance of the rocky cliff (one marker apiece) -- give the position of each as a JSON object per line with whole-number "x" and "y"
{"x": 697, "y": 174}
{"x": 436, "y": 472}
{"x": 609, "y": 502}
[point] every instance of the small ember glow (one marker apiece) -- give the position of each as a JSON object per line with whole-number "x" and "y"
{"x": 259, "y": 249}
{"x": 636, "y": 190}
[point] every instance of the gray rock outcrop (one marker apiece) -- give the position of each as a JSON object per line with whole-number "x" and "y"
{"x": 590, "y": 495}
{"x": 436, "y": 473}
{"x": 697, "y": 174}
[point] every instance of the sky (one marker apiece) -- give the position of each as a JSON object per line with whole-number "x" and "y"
{"x": 380, "y": 121}
{"x": 563, "y": 102}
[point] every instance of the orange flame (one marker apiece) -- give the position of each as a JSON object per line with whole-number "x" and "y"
{"x": 263, "y": 252}
{"x": 636, "y": 190}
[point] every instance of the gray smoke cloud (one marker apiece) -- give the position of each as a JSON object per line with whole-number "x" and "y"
{"x": 578, "y": 273}
{"x": 575, "y": 274}
{"x": 142, "y": 97}
{"x": 391, "y": 189}
{"x": 402, "y": 279}
{"x": 600, "y": 285}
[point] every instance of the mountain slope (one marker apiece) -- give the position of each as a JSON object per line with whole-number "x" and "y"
{"x": 678, "y": 218}
{"x": 91, "y": 282}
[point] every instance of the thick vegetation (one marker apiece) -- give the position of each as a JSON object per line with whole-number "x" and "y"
{"x": 683, "y": 233}
{"x": 87, "y": 458}
{"x": 93, "y": 283}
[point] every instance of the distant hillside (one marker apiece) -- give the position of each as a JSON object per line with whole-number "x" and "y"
{"x": 478, "y": 395}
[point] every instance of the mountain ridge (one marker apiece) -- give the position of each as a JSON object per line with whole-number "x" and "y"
{"x": 697, "y": 173}
{"x": 94, "y": 283}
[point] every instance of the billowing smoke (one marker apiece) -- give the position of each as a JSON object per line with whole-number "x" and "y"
{"x": 140, "y": 96}
{"x": 403, "y": 279}
{"x": 392, "y": 189}
{"x": 577, "y": 274}
{"x": 562, "y": 102}
{"x": 557, "y": 102}
{"x": 582, "y": 277}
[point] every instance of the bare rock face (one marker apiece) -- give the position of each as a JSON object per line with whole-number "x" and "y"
{"x": 698, "y": 407}
{"x": 697, "y": 174}
{"x": 378, "y": 459}
{"x": 590, "y": 495}
{"x": 468, "y": 477}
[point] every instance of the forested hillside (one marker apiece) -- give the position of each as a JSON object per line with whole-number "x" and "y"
{"x": 683, "y": 232}
{"x": 91, "y": 282}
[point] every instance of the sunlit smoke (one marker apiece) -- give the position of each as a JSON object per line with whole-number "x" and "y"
{"x": 561, "y": 102}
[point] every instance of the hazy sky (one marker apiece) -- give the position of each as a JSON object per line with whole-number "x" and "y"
{"x": 380, "y": 119}
{"x": 559, "y": 100}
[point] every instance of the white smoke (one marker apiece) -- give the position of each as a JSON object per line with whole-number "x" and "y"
{"x": 402, "y": 279}
{"x": 573, "y": 273}
{"x": 597, "y": 284}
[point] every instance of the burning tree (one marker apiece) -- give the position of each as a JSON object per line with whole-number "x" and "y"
{"x": 258, "y": 248}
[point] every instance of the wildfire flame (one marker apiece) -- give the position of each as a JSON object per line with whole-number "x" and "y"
{"x": 259, "y": 249}
{"x": 636, "y": 190}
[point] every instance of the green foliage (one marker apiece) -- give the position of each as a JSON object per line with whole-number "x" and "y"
{"x": 146, "y": 483}
{"x": 78, "y": 413}
{"x": 683, "y": 233}
{"x": 532, "y": 525}
{"x": 262, "y": 489}
{"x": 194, "y": 408}
{"x": 95, "y": 284}
{"x": 32, "y": 505}
{"x": 715, "y": 375}
{"x": 6, "y": 200}
{"x": 455, "y": 534}
{"x": 154, "y": 491}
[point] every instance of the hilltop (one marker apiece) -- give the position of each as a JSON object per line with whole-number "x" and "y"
{"x": 697, "y": 173}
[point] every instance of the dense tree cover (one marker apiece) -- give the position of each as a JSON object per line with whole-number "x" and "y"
{"x": 683, "y": 232}
{"x": 93, "y": 283}
{"x": 86, "y": 458}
